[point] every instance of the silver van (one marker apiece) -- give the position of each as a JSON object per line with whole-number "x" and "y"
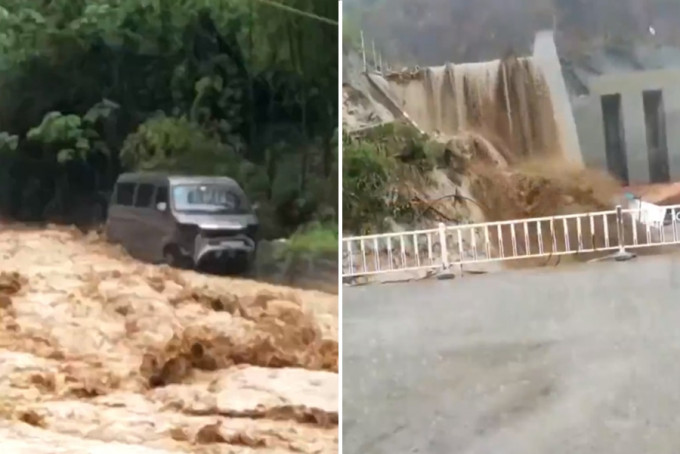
{"x": 184, "y": 221}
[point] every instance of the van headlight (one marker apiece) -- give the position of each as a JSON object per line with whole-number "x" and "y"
{"x": 252, "y": 230}
{"x": 234, "y": 226}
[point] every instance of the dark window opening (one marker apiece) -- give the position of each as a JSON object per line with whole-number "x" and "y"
{"x": 125, "y": 193}
{"x": 615, "y": 144}
{"x": 144, "y": 195}
{"x": 657, "y": 147}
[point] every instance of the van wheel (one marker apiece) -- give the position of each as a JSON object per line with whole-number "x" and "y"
{"x": 172, "y": 257}
{"x": 242, "y": 266}
{"x": 239, "y": 267}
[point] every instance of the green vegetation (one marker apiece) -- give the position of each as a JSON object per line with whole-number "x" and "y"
{"x": 91, "y": 88}
{"x": 380, "y": 169}
{"x": 313, "y": 241}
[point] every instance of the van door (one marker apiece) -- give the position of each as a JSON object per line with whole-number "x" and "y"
{"x": 144, "y": 215}
{"x": 161, "y": 223}
{"x": 120, "y": 219}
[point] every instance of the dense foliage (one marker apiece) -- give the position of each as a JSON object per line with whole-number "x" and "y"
{"x": 90, "y": 88}
{"x": 380, "y": 169}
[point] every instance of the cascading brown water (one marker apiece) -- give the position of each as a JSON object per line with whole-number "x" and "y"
{"x": 507, "y": 101}
{"x": 499, "y": 116}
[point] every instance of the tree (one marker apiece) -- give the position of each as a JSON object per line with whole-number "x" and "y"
{"x": 94, "y": 87}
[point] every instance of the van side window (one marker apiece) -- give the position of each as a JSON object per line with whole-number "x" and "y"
{"x": 125, "y": 193}
{"x": 161, "y": 194}
{"x": 144, "y": 195}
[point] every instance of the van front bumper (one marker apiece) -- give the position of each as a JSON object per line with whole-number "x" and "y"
{"x": 227, "y": 247}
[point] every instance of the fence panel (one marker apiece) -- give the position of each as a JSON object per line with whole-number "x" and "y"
{"x": 376, "y": 254}
{"x": 533, "y": 238}
{"x": 642, "y": 231}
{"x": 519, "y": 239}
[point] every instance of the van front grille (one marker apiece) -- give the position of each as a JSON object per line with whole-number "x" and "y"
{"x": 222, "y": 233}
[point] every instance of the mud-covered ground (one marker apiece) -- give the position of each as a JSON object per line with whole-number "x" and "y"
{"x": 100, "y": 352}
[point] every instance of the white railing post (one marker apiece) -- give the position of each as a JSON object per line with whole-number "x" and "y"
{"x": 444, "y": 249}
{"x": 363, "y": 51}
{"x": 622, "y": 255}
{"x": 619, "y": 229}
{"x": 375, "y": 56}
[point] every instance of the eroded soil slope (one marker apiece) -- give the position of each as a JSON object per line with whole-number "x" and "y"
{"x": 99, "y": 352}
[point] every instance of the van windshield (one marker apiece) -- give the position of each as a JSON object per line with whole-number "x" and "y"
{"x": 208, "y": 198}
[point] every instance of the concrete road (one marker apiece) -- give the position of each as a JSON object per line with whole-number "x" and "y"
{"x": 583, "y": 359}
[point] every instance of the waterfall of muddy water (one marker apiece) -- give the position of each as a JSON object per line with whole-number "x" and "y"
{"x": 506, "y": 101}
{"x": 507, "y": 154}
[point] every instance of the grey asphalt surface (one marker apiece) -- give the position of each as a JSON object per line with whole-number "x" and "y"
{"x": 584, "y": 359}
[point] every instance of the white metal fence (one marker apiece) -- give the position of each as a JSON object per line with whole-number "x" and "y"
{"x": 520, "y": 239}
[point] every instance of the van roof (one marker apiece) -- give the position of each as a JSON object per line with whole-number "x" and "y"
{"x": 153, "y": 177}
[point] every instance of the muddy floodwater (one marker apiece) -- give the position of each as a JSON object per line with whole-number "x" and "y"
{"x": 101, "y": 352}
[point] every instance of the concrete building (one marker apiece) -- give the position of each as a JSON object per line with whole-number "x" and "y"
{"x": 626, "y": 120}
{"x": 630, "y": 124}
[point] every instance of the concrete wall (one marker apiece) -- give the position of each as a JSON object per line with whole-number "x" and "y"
{"x": 589, "y": 121}
{"x": 590, "y": 127}
{"x": 546, "y": 58}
